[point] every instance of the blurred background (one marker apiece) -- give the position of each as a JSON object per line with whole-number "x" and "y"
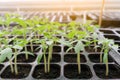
{"x": 65, "y": 11}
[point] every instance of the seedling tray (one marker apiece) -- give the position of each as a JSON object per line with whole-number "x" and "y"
{"x": 109, "y": 19}
{"x": 64, "y": 65}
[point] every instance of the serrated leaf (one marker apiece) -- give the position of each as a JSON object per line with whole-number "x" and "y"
{"x": 79, "y": 47}
{"x": 95, "y": 35}
{"x": 71, "y": 34}
{"x": 66, "y": 43}
{"x": 6, "y": 53}
{"x": 18, "y": 47}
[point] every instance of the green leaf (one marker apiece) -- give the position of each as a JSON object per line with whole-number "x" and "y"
{"x": 18, "y": 47}
{"x": 2, "y": 58}
{"x": 39, "y": 58}
{"x": 72, "y": 23}
{"x": 20, "y": 22}
{"x": 95, "y": 35}
{"x": 79, "y": 47}
{"x": 6, "y": 53}
{"x": 71, "y": 34}
{"x": 66, "y": 43}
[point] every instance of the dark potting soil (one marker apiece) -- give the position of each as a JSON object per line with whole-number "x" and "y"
{"x": 66, "y": 48}
{"x": 55, "y": 58}
{"x": 56, "y": 49}
{"x": 1, "y": 66}
{"x": 107, "y": 31}
{"x": 23, "y": 71}
{"x": 34, "y": 49}
{"x": 117, "y": 42}
{"x": 22, "y": 58}
{"x": 39, "y": 73}
{"x": 111, "y": 37}
{"x": 72, "y": 58}
{"x": 110, "y": 23}
{"x": 92, "y": 49}
{"x": 118, "y": 32}
{"x": 96, "y": 58}
{"x": 71, "y": 71}
{"x": 114, "y": 71}
{"x": 119, "y": 51}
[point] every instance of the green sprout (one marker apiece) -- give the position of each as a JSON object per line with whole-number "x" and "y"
{"x": 106, "y": 47}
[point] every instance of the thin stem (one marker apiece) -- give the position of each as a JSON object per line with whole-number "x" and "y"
{"x": 50, "y": 56}
{"x": 107, "y": 68}
{"x": 101, "y": 54}
{"x": 45, "y": 65}
{"x": 78, "y": 61}
{"x": 26, "y": 53}
{"x": 96, "y": 47}
{"x": 38, "y": 35}
{"x": 15, "y": 62}
{"x": 11, "y": 66}
{"x": 31, "y": 46}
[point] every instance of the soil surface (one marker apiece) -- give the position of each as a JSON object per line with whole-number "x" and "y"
{"x": 114, "y": 71}
{"x": 55, "y": 58}
{"x": 56, "y": 49}
{"x": 92, "y": 49}
{"x": 40, "y": 74}
{"x": 114, "y": 37}
{"x": 72, "y": 58}
{"x": 71, "y": 72}
{"x": 96, "y": 58}
{"x": 34, "y": 49}
{"x": 23, "y": 71}
{"x": 22, "y": 58}
{"x": 107, "y": 31}
{"x": 1, "y": 66}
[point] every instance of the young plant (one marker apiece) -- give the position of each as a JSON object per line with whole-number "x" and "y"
{"x": 44, "y": 48}
{"x": 16, "y": 47}
{"x": 76, "y": 44}
{"x": 7, "y": 53}
{"x": 50, "y": 36}
{"x": 106, "y": 47}
{"x": 92, "y": 33}
{"x": 20, "y": 32}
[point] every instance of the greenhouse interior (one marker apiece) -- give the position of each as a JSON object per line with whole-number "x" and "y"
{"x": 59, "y": 40}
